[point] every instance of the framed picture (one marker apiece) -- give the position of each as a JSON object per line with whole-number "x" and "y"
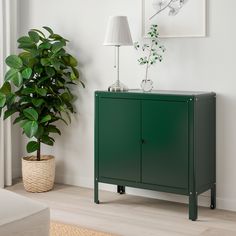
{"x": 175, "y": 18}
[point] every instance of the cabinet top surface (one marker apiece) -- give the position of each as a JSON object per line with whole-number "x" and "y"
{"x": 161, "y": 92}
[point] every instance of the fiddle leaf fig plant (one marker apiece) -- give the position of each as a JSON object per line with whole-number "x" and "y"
{"x": 37, "y": 86}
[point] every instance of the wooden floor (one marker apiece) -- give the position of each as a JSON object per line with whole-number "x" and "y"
{"x": 129, "y": 215}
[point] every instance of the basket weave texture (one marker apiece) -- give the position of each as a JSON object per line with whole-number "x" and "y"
{"x": 38, "y": 176}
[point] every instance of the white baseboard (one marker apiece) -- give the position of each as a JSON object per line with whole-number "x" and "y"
{"x": 203, "y": 199}
{"x": 74, "y": 180}
{"x": 226, "y": 204}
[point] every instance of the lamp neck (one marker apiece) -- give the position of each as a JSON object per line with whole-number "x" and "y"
{"x": 118, "y": 63}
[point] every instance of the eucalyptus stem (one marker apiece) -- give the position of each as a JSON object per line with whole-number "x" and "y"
{"x": 148, "y": 61}
{"x": 152, "y": 51}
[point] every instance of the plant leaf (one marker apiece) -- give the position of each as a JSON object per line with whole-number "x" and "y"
{"x": 82, "y": 83}
{"x": 45, "y": 61}
{"x": 32, "y": 146}
{"x": 60, "y": 118}
{"x": 41, "y": 91}
{"x": 14, "y": 61}
{"x": 6, "y": 88}
{"x": 73, "y": 76}
{"x": 8, "y": 113}
{"x": 47, "y": 140}
{"x": 27, "y": 91}
{"x": 50, "y": 71}
{"x": 58, "y": 37}
{"x": 40, "y": 32}
{"x": 25, "y": 40}
{"x": 68, "y": 116}
{"x": 37, "y": 102}
{"x": 57, "y": 46}
{"x": 30, "y": 128}
{"x": 17, "y": 79}
{"x": 48, "y": 29}
{"x": 46, "y": 119}
{"x": 53, "y": 129}
{"x": 23, "y": 123}
{"x": 34, "y": 36}
{"x": 38, "y": 69}
{"x": 56, "y": 64}
{"x": 10, "y": 74}
{"x": 43, "y": 79}
{"x": 2, "y": 99}
{"x": 45, "y": 45}
{"x": 26, "y": 73}
{"x": 76, "y": 72}
{"x": 72, "y": 61}
{"x": 40, "y": 132}
{"x": 67, "y": 97}
{"x": 31, "y": 47}
{"x": 28, "y": 59}
{"x": 11, "y": 97}
{"x": 31, "y": 114}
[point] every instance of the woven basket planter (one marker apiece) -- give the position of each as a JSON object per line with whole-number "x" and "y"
{"x": 38, "y": 176}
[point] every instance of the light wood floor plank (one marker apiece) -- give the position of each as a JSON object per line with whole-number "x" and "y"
{"x": 130, "y": 215}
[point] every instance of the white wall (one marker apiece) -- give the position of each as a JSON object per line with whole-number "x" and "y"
{"x": 206, "y": 64}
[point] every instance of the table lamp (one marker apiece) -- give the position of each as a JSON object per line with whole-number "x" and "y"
{"x": 118, "y": 34}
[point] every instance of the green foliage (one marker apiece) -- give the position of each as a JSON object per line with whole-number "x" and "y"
{"x": 2, "y": 99}
{"x": 152, "y": 50}
{"x": 32, "y": 146}
{"x": 14, "y": 61}
{"x": 38, "y": 85}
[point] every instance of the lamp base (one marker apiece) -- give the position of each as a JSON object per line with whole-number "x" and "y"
{"x": 117, "y": 87}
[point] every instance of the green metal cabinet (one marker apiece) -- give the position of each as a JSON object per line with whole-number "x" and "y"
{"x": 162, "y": 140}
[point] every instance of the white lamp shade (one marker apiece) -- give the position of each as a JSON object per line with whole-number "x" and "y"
{"x": 118, "y": 32}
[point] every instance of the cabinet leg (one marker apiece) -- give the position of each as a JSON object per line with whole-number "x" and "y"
{"x": 120, "y": 189}
{"x": 96, "y": 192}
{"x": 213, "y": 197}
{"x": 193, "y": 206}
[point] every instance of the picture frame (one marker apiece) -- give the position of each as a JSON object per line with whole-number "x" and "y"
{"x": 190, "y": 20}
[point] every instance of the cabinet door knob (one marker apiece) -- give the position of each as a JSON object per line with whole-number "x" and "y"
{"x": 142, "y": 141}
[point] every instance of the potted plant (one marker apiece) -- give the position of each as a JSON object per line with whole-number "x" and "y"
{"x": 37, "y": 90}
{"x": 152, "y": 53}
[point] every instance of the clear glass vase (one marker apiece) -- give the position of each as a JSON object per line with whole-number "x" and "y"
{"x": 147, "y": 85}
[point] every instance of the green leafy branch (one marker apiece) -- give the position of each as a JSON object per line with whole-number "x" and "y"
{"x": 153, "y": 49}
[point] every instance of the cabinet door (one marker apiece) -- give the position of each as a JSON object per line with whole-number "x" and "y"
{"x": 165, "y": 146}
{"x": 119, "y": 139}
